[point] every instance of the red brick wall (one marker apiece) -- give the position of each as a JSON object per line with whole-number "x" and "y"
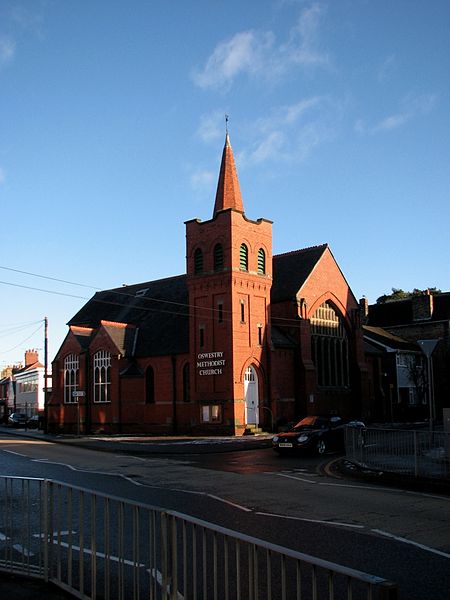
{"x": 236, "y": 338}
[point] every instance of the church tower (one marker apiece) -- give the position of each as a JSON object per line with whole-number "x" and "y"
{"x": 229, "y": 275}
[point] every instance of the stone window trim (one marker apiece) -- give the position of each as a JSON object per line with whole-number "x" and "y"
{"x": 101, "y": 365}
{"x": 330, "y": 348}
{"x": 71, "y": 378}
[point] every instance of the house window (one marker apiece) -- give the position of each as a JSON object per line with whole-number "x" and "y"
{"x": 402, "y": 360}
{"x": 260, "y": 337}
{"x": 198, "y": 261}
{"x": 71, "y": 378}
{"x": 186, "y": 384}
{"x": 218, "y": 257}
{"x": 202, "y": 336}
{"x": 102, "y": 376}
{"x": 243, "y": 255}
{"x": 220, "y": 313}
{"x": 261, "y": 262}
{"x": 330, "y": 348}
{"x": 211, "y": 413}
{"x": 242, "y": 311}
{"x": 150, "y": 386}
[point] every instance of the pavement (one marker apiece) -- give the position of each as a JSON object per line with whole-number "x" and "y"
{"x": 15, "y": 587}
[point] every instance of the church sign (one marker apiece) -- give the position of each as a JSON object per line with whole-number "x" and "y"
{"x": 210, "y": 363}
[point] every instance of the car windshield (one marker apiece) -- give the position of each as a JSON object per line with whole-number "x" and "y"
{"x": 311, "y": 423}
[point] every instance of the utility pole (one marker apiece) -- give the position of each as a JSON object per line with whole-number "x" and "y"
{"x": 45, "y": 375}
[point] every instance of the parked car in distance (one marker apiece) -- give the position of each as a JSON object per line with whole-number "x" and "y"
{"x": 317, "y": 434}
{"x": 17, "y": 419}
{"x": 35, "y": 422}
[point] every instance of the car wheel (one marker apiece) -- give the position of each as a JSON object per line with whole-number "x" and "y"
{"x": 321, "y": 447}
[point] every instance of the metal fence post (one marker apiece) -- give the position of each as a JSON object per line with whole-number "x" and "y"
{"x": 45, "y": 533}
{"x": 416, "y": 453}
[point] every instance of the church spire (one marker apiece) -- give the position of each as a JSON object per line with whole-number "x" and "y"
{"x": 228, "y": 193}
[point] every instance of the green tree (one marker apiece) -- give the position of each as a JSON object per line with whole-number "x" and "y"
{"x": 399, "y": 294}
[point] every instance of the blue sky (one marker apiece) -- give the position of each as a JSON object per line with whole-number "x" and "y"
{"x": 112, "y": 128}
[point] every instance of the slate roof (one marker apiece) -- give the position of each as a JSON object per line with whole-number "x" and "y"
{"x": 281, "y": 339}
{"x": 377, "y": 334}
{"x": 400, "y": 312}
{"x": 291, "y": 270}
{"x": 157, "y": 309}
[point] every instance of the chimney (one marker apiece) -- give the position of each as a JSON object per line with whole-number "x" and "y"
{"x": 31, "y": 357}
{"x": 422, "y": 306}
{"x": 364, "y": 310}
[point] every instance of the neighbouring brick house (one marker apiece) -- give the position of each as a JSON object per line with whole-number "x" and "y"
{"x": 396, "y": 377}
{"x": 423, "y": 316}
{"x": 22, "y": 387}
{"x": 243, "y": 339}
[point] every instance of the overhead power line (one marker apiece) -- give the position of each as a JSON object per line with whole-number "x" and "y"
{"x": 23, "y": 341}
{"x": 190, "y": 307}
{"x": 50, "y": 278}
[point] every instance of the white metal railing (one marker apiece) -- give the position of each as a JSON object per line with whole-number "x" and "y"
{"x": 409, "y": 452}
{"x": 98, "y": 546}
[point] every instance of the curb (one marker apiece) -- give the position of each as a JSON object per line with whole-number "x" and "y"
{"x": 347, "y": 469}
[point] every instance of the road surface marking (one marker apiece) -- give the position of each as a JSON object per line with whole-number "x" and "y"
{"x": 23, "y": 550}
{"x": 12, "y": 452}
{"x": 244, "y": 508}
{"x": 297, "y": 478}
{"x": 406, "y": 541}
{"x": 353, "y": 526}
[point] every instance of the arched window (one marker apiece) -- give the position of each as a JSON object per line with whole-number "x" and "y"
{"x": 330, "y": 348}
{"x": 186, "y": 384}
{"x": 218, "y": 257}
{"x": 261, "y": 262}
{"x": 198, "y": 261}
{"x": 243, "y": 258}
{"x": 102, "y": 376}
{"x": 150, "y": 386}
{"x": 71, "y": 377}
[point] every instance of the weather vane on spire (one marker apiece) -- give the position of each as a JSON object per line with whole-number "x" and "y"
{"x": 226, "y": 124}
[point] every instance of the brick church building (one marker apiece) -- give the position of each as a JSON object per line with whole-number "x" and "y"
{"x": 243, "y": 340}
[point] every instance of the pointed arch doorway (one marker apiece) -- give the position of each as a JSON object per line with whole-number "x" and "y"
{"x": 251, "y": 396}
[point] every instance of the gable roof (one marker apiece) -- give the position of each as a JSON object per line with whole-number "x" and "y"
{"x": 291, "y": 270}
{"x": 379, "y": 336}
{"x": 158, "y": 310}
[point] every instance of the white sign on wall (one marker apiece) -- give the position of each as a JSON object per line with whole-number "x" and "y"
{"x": 210, "y": 363}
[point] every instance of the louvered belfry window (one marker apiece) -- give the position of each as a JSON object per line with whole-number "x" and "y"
{"x": 198, "y": 261}
{"x": 330, "y": 348}
{"x": 218, "y": 257}
{"x": 261, "y": 262}
{"x": 243, "y": 258}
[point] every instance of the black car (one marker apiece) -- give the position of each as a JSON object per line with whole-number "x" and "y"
{"x": 17, "y": 419}
{"x": 35, "y": 422}
{"x": 316, "y": 434}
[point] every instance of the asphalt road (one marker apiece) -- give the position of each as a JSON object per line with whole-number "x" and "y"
{"x": 396, "y": 534}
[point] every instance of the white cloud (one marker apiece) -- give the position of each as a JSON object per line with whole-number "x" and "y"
{"x": 212, "y": 126}
{"x": 28, "y": 20}
{"x": 242, "y": 53}
{"x": 385, "y": 70}
{"x": 7, "y": 50}
{"x": 202, "y": 179}
{"x": 255, "y": 53}
{"x": 411, "y": 107}
{"x": 301, "y": 48}
{"x": 292, "y": 132}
